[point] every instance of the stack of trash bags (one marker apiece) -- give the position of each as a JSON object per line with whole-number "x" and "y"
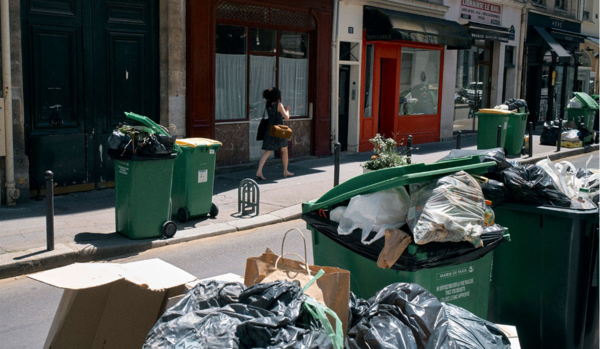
{"x": 514, "y": 104}
{"x": 216, "y": 314}
{"x": 141, "y": 138}
{"x": 544, "y": 183}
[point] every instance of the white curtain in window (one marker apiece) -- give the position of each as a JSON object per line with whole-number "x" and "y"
{"x": 293, "y": 83}
{"x": 262, "y": 76}
{"x": 230, "y": 86}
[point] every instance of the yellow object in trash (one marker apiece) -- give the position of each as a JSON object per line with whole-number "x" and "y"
{"x": 495, "y": 111}
{"x": 197, "y": 142}
{"x": 567, "y": 144}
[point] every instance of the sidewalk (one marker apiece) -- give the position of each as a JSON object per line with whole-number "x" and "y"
{"x": 85, "y": 222}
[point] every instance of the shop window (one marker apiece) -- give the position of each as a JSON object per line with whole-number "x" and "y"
{"x": 286, "y": 70}
{"x": 559, "y": 4}
{"x": 293, "y": 72}
{"x": 370, "y": 51}
{"x": 230, "y": 73}
{"x": 419, "y": 81}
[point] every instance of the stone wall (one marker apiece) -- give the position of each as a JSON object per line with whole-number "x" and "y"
{"x": 235, "y": 139}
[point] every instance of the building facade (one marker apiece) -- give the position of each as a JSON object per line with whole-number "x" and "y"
{"x": 237, "y": 49}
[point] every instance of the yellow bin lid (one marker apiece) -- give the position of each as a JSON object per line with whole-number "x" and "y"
{"x": 495, "y": 111}
{"x": 197, "y": 142}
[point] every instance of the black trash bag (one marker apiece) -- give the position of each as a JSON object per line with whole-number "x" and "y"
{"x": 357, "y": 308}
{"x": 155, "y": 144}
{"x": 463, "y": 330}
{"x": 402, "y": 315}
{"x": 584, "y": 132}
{"x": 119, "y": 144}
{"x": 494, "y": 191}
{"x": 438, "y": 253}
{"x": 227, "y": 315}
{"x": 531, "y": 183}
{"x": 495, "y": 155}
{"x": 515, "y": 104}
{"x": 550, "y": 133}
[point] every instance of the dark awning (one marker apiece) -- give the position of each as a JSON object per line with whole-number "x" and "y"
{"x": 488, "y": 32}
{"x": 566, "y": 35}
{"x": 383, "y": 24}
{"x": 563, "y": 55}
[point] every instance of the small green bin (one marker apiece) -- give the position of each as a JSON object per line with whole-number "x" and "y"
{"x": 193, "y": 178}
{"x": 487, "y": 131}
{"x": 515, "y": 133}
{"x": 142, "y": 197}
{"x": 466, "y": 285}
{"x": 584, "y": 115}
{"x": 541, "y": 281}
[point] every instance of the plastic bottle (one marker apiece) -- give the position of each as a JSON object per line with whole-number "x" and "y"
{"x": 489, "y": 217}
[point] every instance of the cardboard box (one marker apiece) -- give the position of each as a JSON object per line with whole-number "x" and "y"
{"x": 567, "y": 144}
{"x": 108, "y": 305}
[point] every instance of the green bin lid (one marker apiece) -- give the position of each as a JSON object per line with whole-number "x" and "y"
{"x": 586, "y": 100}
{"x": 394, "y": 177}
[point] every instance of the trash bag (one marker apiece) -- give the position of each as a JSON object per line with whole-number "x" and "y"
{"x": 119, "y": 143}
{"x": 402, "y": 315}
{"x": 495, "y": 155}
{"x": 533, "y": 184}
{"x": 451, "y": 208}
{"x": 494, "y": 191}
{"x": 227, "y": 315}
{"x": 549, "y": 134}
{"x": 417, "y": 257}
{"x": 378, "y": 211}
{"x": 515, "y": 104}
{"x": 591, "y": 181}
{"x": 463, "y": 330}
{"x": 571, "y": 136}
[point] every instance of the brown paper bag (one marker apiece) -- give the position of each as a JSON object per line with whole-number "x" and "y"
{"x": 331, "y": 289}
{"x": 396, "y": 241}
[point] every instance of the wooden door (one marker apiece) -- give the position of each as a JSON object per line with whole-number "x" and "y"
{"x": 84, "y": 63}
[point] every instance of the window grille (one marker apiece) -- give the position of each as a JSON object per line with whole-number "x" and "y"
{"x": 260, "y": 14}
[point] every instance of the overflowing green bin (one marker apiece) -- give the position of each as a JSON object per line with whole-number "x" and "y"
{"x": 541, "y": 281}
{"x": 142, "y": 197}
{"x": 515, "y": 133}
{"x": 584, "y": 115}
{"x": 466, "y": 285}
{"x": 487, "y": 129}
{"x": 193, "y": 178}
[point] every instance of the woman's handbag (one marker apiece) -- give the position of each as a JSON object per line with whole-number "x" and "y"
{"x": 262, "y": 127}
{"x": 280, "y": 131}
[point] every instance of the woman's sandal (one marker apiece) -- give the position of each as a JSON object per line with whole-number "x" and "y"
{"x": 260, "y": 178}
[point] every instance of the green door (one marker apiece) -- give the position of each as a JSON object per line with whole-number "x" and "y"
{"x": 84, "y": 64}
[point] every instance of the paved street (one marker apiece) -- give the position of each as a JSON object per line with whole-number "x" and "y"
{"x": 27, "y": 307}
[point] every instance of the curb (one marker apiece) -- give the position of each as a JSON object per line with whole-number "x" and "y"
{"x": 38, "y": 259}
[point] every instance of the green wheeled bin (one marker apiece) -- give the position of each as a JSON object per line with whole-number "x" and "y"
{"x": 193, "y": 178}
{"x": 143, "y": 197}
{"x": 487, "y": 129}
{"x": 515, "y": 133}
{"x": 465, "y": 284}
{"x": 585, "y": 114}
{"x": 541, "y": 281}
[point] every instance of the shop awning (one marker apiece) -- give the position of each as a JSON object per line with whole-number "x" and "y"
{"x": 566, "y": 35}
{"x": 563, "y": 55}
{"x": 383, "y": 24}
{"x": 488, "y": 32}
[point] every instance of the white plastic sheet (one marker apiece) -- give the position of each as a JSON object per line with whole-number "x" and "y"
{"x": 449, "y": 209}
{"x": 379, "y": 211}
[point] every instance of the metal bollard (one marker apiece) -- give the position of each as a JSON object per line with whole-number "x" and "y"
{"x": 499, "y": 137}
{"x": 336, "y": 167}
{"x": 530, "y": 139}
{"x": 409, "y": 150}
{"x": 458, "y": 139}
{"x": 559, "y": 138}
{"x": 50, "y": 211}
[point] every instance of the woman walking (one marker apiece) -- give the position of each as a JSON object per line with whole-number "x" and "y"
{"x": 277, "y": 113}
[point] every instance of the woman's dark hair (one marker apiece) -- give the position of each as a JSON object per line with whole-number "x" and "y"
{"x": 272, "y": 96}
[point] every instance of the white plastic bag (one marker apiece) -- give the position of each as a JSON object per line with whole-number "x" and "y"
{"x": 337, "y": 213}
{"x": 451, "y": 208}
{"x": 375, "y": 212}
{"x": 570, "y": 136}
{"x": 574, "y": 103}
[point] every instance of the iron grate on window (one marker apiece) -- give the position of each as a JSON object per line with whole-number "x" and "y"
{"x": 260, "y": 14}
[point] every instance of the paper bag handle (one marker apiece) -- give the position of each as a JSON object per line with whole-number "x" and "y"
{"x": 295, "y": 254}
{"x": 303, "y": 238}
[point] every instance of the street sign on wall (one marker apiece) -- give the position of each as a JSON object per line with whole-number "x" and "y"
{"x": 481, "y": 12}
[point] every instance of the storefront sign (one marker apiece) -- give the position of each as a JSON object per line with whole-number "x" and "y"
{"x": 481, "y": 12}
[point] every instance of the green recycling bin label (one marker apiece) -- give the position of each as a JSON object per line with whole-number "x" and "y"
{"x": 202, "y": 176}
{"x": 453, "y": 289}
{"x": 123, "y": 168}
